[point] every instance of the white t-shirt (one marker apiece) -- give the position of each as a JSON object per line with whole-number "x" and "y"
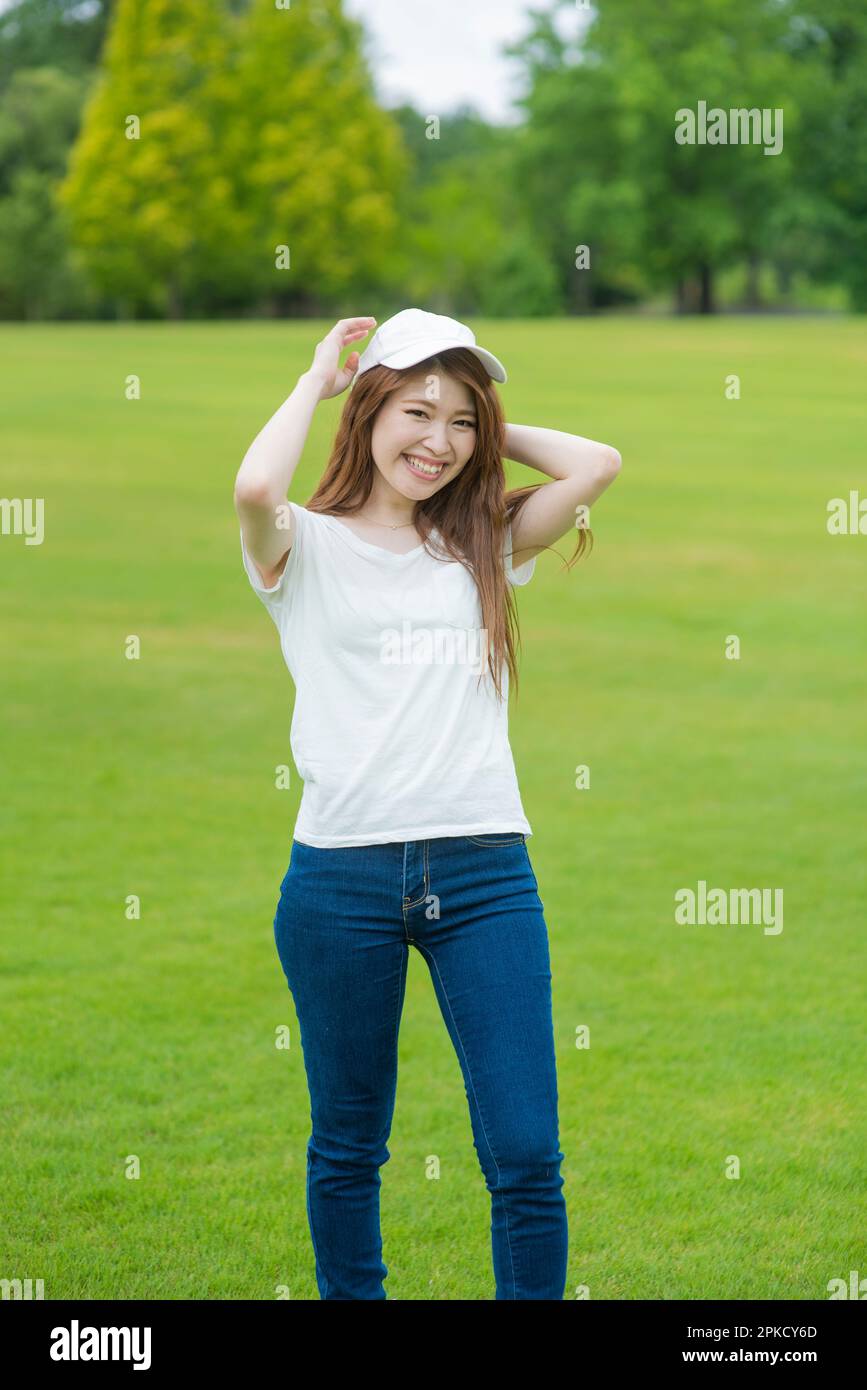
{"x": 392, "y": 733}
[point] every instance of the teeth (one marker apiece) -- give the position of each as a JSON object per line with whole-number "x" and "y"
{"x": 425, "y": 467}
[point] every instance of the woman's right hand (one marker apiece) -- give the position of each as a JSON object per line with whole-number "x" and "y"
{"x": 326, "y": 367}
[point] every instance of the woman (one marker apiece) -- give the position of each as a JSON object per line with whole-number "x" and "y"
{"x": 391, "y": 589}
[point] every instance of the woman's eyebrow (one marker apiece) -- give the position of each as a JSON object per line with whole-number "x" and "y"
{"x": 422, "y": 400}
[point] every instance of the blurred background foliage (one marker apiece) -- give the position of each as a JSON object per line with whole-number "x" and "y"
{"x": 260, "y": 129}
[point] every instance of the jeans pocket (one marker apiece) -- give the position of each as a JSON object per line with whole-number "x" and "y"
{"x": 497, "y": 838}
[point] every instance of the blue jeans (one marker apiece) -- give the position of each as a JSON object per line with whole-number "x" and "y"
{"x": 343, "y": 928}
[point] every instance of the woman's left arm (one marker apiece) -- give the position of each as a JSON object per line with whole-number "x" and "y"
{"x": 581, "y": 470}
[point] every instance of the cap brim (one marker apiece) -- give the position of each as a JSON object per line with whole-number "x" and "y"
{"x": 408, "y": 356}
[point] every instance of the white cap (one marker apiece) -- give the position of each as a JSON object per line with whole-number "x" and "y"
{"x": 414, "y": 335}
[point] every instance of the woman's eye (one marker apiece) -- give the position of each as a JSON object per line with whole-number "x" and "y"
{"x": 414, "y": 411}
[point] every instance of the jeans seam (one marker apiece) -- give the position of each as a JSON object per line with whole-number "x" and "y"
{"x": 401, "y": 977}
{"x": 312, "y": 1233}
{"x": 433, "y": 963}
{"x": 532, "y": 870}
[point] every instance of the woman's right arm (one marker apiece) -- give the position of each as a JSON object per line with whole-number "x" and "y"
{"x": 264, "y": 477}
{"x": 269, "y": 464}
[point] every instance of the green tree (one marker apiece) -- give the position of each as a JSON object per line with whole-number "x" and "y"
{"x": 258, "y": 130}
{"x": 152, "y": 211}
{"x": 599, "y": 158}
{"x": 321, "y": 167}
{"x": 39, "y": 113}
{"x": 60, "y": 34}
{"x": 468, "y": 246}
{"x": 826, "y": 233}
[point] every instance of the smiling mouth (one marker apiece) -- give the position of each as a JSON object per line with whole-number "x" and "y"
{"x": 421, "y": 468}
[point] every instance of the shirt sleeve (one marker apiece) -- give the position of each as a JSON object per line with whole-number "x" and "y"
{"x": 278, "y": 598}
{"x": 520, "y": 574}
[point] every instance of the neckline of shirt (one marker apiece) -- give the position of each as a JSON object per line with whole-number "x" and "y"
{"x": 358, "y": 543}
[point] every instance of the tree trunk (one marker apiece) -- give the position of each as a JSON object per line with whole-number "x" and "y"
{"x": 784, "y": 279}
{"x": 706, "y": 304}
{"x": 174, "y": 301}
{"x": 578, "y": 291}
{"x": 754, "y": 294}
{"x": 300, "y": 304}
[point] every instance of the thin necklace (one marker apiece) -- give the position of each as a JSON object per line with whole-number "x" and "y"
{"x": 398, "y": 527}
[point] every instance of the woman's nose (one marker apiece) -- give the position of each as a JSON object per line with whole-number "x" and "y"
{"x": 438, "y": 443}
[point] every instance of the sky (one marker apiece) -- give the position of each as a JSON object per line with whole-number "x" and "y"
{"x": 439, "y": 54}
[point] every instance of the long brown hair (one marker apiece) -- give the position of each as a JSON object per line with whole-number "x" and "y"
{"x": 471, "y": 513}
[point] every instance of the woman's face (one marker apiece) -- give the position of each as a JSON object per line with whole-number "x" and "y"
{"x": 420, "y": 445}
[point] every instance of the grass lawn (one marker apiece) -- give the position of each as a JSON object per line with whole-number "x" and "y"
{"x": 713, "y": 1048}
